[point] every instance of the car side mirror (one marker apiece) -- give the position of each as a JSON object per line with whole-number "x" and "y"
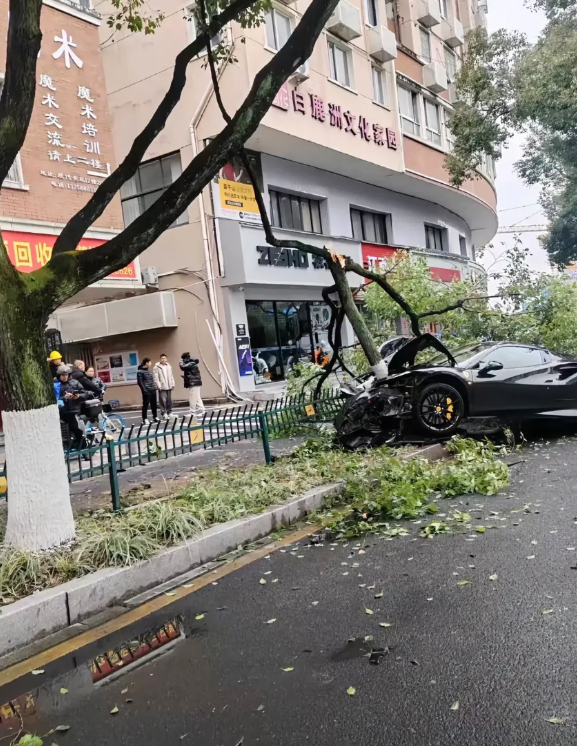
{"x": 490, "y": 366}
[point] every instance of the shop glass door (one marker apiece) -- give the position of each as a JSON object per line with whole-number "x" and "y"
{"x": 265, "y": 348}
{"x": 294, "y": 333}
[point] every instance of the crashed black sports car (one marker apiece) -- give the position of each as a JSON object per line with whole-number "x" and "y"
{"x": 505, "y": 380}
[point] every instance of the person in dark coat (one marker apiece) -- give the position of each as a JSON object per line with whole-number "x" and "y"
{"x": 192, "y": 382}
{"x": 79, "y": 374}
{"x": 72, "y": 395}
{"x": 147, "y": 384}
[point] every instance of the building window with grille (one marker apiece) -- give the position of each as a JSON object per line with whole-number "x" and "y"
{"x": 409, "y": 110}
{"x": 369, "y": 226}
{"x": 379, "y": 87}
{"x": 432, "y": 122}
{"x": 341, "y": 64}
{"x": 435, "y": 238}
{"x": 295, "y": 213}
{"x": 425, "y": 45}
{"x": 278, "y": 29}
{"x": 150, "y": 181}
{"x": 192, "y": 29}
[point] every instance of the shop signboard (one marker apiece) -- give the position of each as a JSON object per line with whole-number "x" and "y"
{"x": 233, "y": 193}
{"x": 117, "y": 368}
{"x": 31, "y": 251}
{"x": 243, "y": 356}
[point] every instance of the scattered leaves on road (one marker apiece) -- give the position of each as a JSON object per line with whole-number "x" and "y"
{"x": 455, "y": 706}
{"x": 61, "y": 729}
{"x": 351, "y": 691}
{"x": 369, "y": 611}
{"x": 170, "y": 593}
{"x": 494, "y": 576}
{"x": 547, "y": 611}
{"x": 271, "y": 621}
{"x": 288, "y": 669}
{"x": 198, "y": 617}
{"x": 480, "y": 529}
{"x": 114, "y": 711}
{"x": 379, "y": 595}
{"x": 385, "y": 624}
{"x": 63, "y": 690}
{"x": 556, "y": 721}
{"x": 37, "y": 672}
{"x": 262, "y": 581}
{"x": 462, "y": 582}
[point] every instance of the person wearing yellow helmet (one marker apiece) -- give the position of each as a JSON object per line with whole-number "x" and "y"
{"x": 54, "y": 361}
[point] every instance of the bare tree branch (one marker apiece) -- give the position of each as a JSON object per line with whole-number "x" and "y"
{"x": 460, "y": 304}
{"x": 86, "y": 267}
{"x": 17, "y": 100}
{"x": 84, "y": 218}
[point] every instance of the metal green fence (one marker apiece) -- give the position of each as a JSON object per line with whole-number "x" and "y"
{"x": 139, "y": 445}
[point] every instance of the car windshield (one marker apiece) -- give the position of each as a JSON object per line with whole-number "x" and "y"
{"x": 465, "y": 357}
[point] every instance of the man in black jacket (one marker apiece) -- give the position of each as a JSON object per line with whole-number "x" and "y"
{"x": 147, "y": 384}
{"x": 79, "y": 374}
{"x": 192, "y": 382}
{"x": 72, "y": 394}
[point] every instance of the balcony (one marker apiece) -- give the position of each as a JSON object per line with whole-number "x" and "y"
{"x": 452, "y": 33}
{"x": 435, "y": 77}
{"x": 346, "y": 22}
{"x": 382, "y": 44}
{"x": 428, "y": 12}
{"x": 139, "y": 313}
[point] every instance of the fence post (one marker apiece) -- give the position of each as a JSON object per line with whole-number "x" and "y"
{"x": 264, "y": 432}
{"x": 114, "y": 487}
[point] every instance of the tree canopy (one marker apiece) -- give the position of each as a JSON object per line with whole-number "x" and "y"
{"x": 507, "y": 85}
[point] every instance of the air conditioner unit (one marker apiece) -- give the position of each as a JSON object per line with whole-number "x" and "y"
{"x": 428, "y": 12}
{"x": 435, "y": 77}
{"x": 301, "y": 73}
{"x": 346, "y": 22}
{"x": 452, "y": 32}
{"x": 149, "y": 276}
{"x": 382, "y": 44}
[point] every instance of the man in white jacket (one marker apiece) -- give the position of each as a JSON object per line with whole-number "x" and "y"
{"x": 164, "y": 380}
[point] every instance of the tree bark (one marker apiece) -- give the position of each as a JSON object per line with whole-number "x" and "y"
{"x": 40, "y": 513}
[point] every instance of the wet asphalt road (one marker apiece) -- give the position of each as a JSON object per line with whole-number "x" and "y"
{"x": 486, "y": 645}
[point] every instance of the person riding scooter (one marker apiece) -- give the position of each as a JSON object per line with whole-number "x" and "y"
{"x": 71, "y": 395}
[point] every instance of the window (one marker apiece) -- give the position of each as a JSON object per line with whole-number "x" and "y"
{"x": 449, "y": 140}
{"x": 450, "y": 65}
{"x": 434, "y": 238}
{"x": 148, "y": 183}
{"x": 379, "y": 86}
{"x": 463, "y": 245}
{"x": 278, "y": 29}
{"x": 425, "y": 45}
{"x": 432, "y": 122}
{"x": 191, "y": 26}
{"x": 14, "y": 176}
{"x": 369, "y": 226}
{"x": 444, "y": 5}
{"x": 409, "y": 109}
{"x": 83, "y": 3}
{"x": 295, "y": 213}
{"x": 341, "y": 65}
{"x": 372, "y": 12}
{"x": 513, "y": 357}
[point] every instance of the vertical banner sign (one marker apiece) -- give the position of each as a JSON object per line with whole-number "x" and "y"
{"x": 243, "y": 356}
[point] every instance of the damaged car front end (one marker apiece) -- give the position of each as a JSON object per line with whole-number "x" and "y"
{"x": 375, "y": 412}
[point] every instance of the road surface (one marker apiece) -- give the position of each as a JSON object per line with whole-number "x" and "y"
{"x": 485, "y": 663}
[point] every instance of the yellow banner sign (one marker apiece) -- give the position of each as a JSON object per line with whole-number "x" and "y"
{"x": 238, "y": 201}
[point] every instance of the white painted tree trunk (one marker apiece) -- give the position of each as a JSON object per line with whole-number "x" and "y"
{"x": 39, "y": 508}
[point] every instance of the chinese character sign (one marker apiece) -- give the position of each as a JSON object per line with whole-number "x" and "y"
{"x": 30, "y": 251}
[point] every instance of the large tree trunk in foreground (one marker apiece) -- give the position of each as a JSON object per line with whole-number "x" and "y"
{"x": 40, "y": 513}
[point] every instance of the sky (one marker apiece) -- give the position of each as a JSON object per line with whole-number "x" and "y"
{"x": 517, "y": 201}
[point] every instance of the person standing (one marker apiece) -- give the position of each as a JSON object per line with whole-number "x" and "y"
{"x": 54, "y": 362}
{"x": 71, "y": 395}
{"x": 79, "y": 374}
{"x": 145, "y": 380}
{"x": 164, "y": 379}
{"x": 192, "y": 382}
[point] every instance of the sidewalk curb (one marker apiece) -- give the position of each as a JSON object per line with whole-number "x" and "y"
{"x": 55, "y": 609}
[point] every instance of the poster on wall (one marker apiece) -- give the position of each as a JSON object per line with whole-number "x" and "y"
{"x": 243, "y": 355}
{"x": 233, "y": 193}
{"x": 117, "y": 368}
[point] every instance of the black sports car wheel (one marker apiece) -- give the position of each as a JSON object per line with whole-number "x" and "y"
{"x": 439, "y": 409}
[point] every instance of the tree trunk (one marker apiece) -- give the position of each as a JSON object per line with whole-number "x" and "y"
{"x": 358, "y": 323}
{"x": 39, "y": 509}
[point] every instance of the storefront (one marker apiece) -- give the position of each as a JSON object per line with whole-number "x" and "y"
{"x": 274, "y": 309}
{"x": 284, "y": 333}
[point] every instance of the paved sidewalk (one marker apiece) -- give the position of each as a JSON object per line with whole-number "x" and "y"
{"x": 161, "y": 478}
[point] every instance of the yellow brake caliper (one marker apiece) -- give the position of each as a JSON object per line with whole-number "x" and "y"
{"x": 450, "y": 408}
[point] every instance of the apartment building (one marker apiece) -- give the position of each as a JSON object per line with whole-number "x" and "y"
{"x": 350, "y": 156}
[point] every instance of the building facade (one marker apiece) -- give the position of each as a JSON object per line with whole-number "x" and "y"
{"x": 350, "y": 156}
{"x": 67, "y": 153}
